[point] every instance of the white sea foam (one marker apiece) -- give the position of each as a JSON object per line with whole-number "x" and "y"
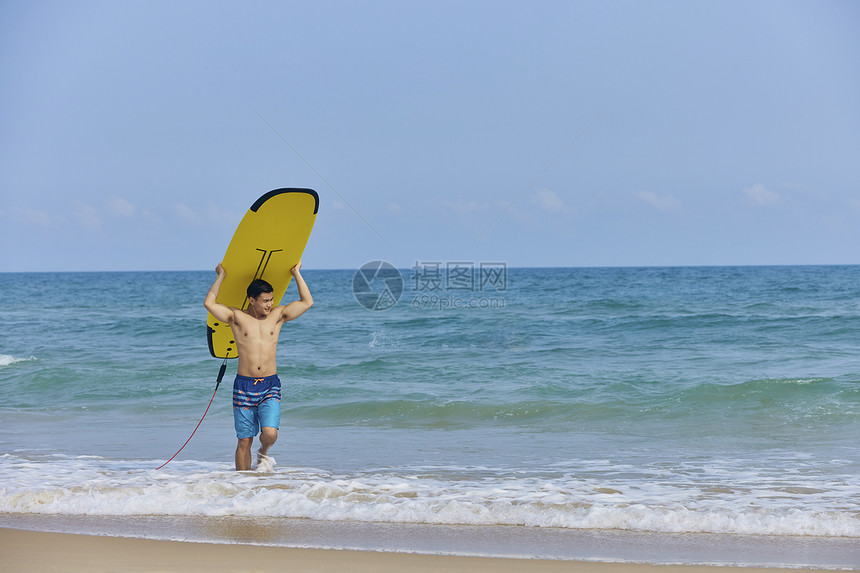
{"x": 7, "y": 360}
{"x": 266, "y": 464}
{"x": 97, "y": 487}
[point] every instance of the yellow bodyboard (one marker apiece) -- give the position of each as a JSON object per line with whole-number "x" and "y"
{"x": 268, "y": 242}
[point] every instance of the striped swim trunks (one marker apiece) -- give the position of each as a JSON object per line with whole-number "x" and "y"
{"x": 256, "y": 404}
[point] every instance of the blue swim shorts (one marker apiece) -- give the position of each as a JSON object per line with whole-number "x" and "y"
{"x": 256, "y": 404}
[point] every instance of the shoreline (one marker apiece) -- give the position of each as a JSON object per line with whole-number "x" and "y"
{"x": 24, "y": 550}
{"x": 701, "y": 552}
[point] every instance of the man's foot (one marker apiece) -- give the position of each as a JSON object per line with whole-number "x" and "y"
{"x": 265, "y": 463}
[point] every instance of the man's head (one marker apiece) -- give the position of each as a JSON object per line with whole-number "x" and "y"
{"x": 260, "y": 297}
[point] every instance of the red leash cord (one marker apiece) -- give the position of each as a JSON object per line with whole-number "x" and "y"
{"x": 220, "y": 376}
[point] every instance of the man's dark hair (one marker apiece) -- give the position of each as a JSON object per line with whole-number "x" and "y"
{"x": 258, "y": 287}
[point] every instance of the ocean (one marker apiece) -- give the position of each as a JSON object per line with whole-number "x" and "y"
{"x": 684, "y": 414}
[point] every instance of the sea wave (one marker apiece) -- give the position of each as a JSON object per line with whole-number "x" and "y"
{"x": 8, "y": 360}
{"x": 537, "y": 403}
{"x": 454, "y": 496}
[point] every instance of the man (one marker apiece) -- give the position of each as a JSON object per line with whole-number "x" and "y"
{"x": 257, "y": 389}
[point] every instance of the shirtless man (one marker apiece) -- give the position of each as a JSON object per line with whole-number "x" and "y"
{"x": 257, "y": 389}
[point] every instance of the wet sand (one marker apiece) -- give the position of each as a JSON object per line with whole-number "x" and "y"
{"x": 22, "y": 550}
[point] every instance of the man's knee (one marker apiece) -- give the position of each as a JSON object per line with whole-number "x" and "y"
{"x": 244, "y": 443}
{"x": 268, "y": 435}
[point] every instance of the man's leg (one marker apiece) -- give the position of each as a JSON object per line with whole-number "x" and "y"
{"x": 268, "y": 437}
{"x": 270, "y": 418}
{"x": 243, "y": 454}
{"x": 245, "y": 421}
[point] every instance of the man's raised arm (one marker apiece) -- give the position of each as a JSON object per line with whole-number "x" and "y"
{"x": 298, "y": 307}
{"x": 220, "y": 311}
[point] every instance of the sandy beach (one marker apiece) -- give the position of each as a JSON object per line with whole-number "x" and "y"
{"x": 39, "y": 551}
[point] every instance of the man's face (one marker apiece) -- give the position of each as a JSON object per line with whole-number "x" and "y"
{"x": 262, "y": 305}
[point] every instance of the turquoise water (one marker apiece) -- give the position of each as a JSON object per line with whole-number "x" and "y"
{"x": 662, "y": 400}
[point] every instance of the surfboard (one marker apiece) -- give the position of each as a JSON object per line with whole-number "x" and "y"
{"x": 268, "y": 242}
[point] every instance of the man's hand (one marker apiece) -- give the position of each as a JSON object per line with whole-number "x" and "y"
{"x": 296, "y": 268}
{"x": 220, "y": 270}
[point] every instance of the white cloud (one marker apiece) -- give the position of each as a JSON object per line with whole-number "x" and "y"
{"x": 758, "y": 194}
{"x": 214, "y": 214}
{"x": 550, "y": 201}
{"x": 185, "y": 212}
{"x": 119, "y": 206}
{"x": 208, "y": 214}
{"x": 662, "y": 202}
{"x": 462, "y": 207}
{"x": 33, "y": 217}
{"x": 87, "y": 216}
{"x": 151, "y": 217}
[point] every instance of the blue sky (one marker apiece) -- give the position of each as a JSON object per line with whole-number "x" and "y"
{"x": 135, "y": 135}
